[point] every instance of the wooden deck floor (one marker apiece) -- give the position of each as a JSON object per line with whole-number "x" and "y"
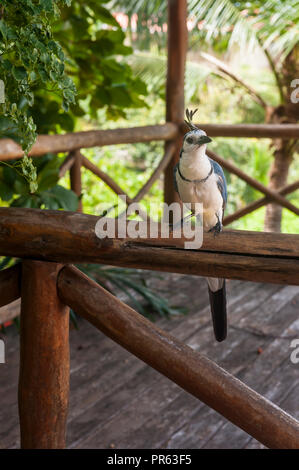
{"x": 117, "y": 401}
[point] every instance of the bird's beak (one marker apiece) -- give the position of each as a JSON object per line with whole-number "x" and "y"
{"x": 204, "y": 139}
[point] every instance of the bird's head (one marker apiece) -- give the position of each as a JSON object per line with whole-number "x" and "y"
{"x": 196, "y": 137}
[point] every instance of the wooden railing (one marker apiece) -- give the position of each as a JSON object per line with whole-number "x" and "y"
{"x": 46, "y": 239}
{"x": 168, "y": 132}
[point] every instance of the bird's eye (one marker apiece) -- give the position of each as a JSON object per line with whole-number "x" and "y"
{"x": 189, "y": 140}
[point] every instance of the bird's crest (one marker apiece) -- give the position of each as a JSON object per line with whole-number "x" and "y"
{"x": 189, "y": 115}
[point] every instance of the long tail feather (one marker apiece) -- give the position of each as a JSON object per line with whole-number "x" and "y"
{"x": 218, "y": 310}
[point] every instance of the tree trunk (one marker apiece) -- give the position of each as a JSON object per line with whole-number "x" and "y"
{"x": 287, "y": 112}
{"x": 278, "y": 176}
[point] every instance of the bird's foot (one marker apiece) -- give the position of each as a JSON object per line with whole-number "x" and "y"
{"x": 217, "y": 228}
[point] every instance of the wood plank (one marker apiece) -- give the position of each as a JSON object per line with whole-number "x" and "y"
{"x": 202, "y": 338}
{"x": 166, "y": 420}
{"x": 198, "y": 329}
{"x": 192, "y": 325}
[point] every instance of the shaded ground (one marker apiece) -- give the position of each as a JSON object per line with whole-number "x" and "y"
{"x": 117, "y": 401}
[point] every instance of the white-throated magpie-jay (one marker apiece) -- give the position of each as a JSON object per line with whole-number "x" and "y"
{"x": 199, "y": 179}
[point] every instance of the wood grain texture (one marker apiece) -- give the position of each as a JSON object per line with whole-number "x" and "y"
{"x": 87, "y": 139}
{"x": 177, "y": 41}
{"x": 253, "y": 206}
{"x": 282, "y": 131}
{"x": 44, "y": 359}
{"x": 70, "y": 237}
{"x": 274, "y": 195}
{"x": 189, "y": 369}
{"x": 145, "y": 409}
{"x": 75, "y": 177}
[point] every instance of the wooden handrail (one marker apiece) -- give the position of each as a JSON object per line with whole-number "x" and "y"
{"x": 9, "y": 149}
{"x": 259, "y": 203}
{"x": 191, "y": 370}
{"x": 274, "y": 195}
{"x": 67, "y": 164}
{"x": 257, "y": 131}
{"x": 75, "y": 177}
{"x": 70, "y": 237}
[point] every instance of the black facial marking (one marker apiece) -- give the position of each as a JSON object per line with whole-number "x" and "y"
{"x": 189, "y": 140}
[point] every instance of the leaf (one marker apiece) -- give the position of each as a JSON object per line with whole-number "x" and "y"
{"x": 6, "y": 192}
{"x": 67, "y": 199}
{"x": 120, "y": 96}
{"x": 19, "y": 73}
{"x": 47, "y": 178}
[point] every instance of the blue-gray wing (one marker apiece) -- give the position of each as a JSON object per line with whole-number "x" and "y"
{"x": 174, "y": 178}
{"x": 221, "y": 181}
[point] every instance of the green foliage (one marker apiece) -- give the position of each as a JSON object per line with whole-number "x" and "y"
{"x": 94, "y": 44}
{"x": 86, "y": 42}
{"x": 133, "y": 285}
{"x": 30, "y": 58}
{"x": 50, "y": 195}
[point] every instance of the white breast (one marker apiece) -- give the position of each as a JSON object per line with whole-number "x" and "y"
{"x": 206, "y": 193}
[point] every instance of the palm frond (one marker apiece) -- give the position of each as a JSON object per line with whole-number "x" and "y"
{"x": 152, "y": 70}
{"x": 272, "y": 25}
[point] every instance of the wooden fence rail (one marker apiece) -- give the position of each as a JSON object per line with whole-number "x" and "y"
{"x": 70, "y": 237}
{"x": 10, "y": 150}
{"x": 171, "y": 133}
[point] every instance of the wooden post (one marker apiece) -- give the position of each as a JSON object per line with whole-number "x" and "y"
{"x": 75, "y": 177}
{"x": 44, "y": 361}
{"x": 177, "y": 50}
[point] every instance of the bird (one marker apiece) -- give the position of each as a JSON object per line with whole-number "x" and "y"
{"x": 199, "y": 179}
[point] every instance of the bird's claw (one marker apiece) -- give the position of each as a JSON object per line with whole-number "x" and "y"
{"x": 217, "y": 228}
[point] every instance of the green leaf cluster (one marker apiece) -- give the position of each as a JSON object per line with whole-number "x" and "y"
{"x": 94, "y": 44}
{"x": 30, "y": 58}
{"x": 49, "y": 195}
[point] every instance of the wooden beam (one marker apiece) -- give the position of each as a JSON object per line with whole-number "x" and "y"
{"x": 70, "y": 237}
{"x": 10, "y": 284}
{"x": 66, "y": 165}
{"x": 117, "y": 189}
{"x": 75, "y": 177}
{"x": 189, "y": 369}
{"x": 253, "y": 206}
{"x": 44, "y": 361}
{"x": 104, "y": 177}
{"x": 258, "y": 131}
{"x": 177, "y": 50}
{"x": 274, "y": 195}
{"x": 168, "y": 155}
{"x": 9, "y": 149}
